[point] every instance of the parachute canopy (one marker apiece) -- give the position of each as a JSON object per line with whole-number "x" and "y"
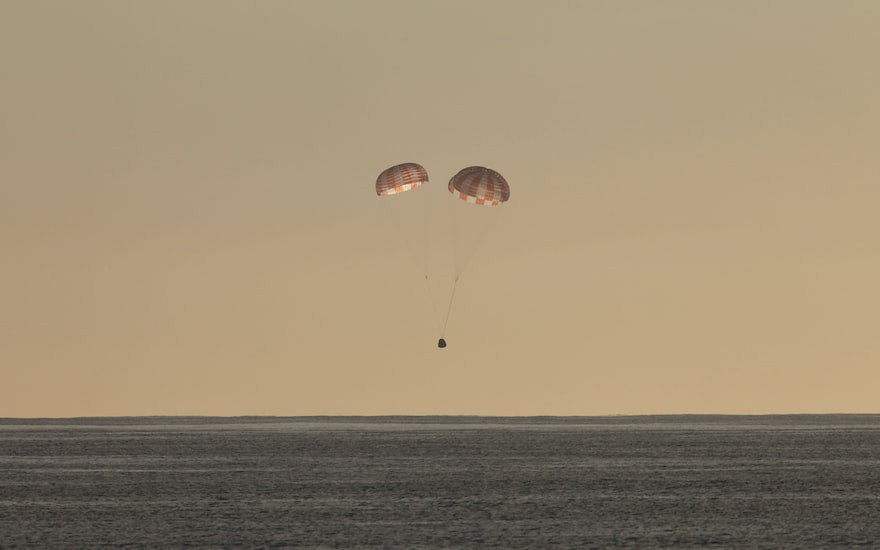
{"x": 400, "y": 178}
{"x": 479, "y": 185}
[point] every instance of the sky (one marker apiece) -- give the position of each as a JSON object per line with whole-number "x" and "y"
{"x": 189, "y": 226}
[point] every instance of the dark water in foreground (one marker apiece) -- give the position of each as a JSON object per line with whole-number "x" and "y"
{"x": 640, "y": 482}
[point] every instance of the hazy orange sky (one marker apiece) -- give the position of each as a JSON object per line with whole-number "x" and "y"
{"x": 188, "y": 222}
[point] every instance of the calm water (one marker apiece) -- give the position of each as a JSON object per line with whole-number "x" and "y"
{"x": 640, "y": 482}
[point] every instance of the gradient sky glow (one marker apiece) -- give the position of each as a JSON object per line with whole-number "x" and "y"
{"x": 188, "y": 223}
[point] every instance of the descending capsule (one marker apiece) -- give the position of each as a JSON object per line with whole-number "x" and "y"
{"x": 480, "y": 185}
{"x": 400, "y": 178}
{"x": 441, "y": 343}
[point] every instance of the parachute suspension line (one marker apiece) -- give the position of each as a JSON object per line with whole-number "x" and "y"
{"x": 425, "y": 227}
{"x": 433, "y": 302}
{"x": 417, "y": 230}
{"x": 449, "y": 309}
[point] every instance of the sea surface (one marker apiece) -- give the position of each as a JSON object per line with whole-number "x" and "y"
{"x": 804, "y": 481}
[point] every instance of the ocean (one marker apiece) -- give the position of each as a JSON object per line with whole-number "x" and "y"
{"x": 801, "y": 481}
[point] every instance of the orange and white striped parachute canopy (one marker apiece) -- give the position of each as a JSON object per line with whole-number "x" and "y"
{"x": 400, "y": 178}
{"x": 479, "y": 185}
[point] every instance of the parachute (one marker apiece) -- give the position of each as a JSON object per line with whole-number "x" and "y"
{"x": 476, "y": 185}
{"x": 479, "y": 185}
{"x": 405, "y": 205}
{"x": 401, "y": 178}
